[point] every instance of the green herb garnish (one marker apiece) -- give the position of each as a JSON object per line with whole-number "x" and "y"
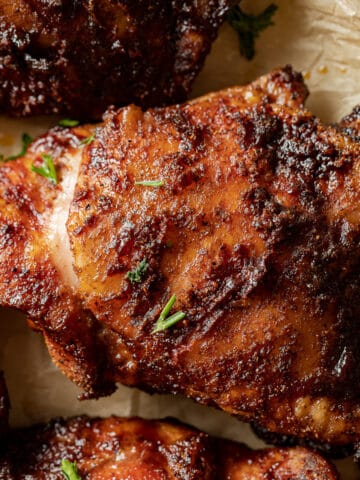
{"x": 68, "y": 122}
{"x": 47, "y": 169}
{"x": 164, "y": 322}
{"x": 26, "y": 140}
{"x": 69, "y": 470}
{"x": 136, "y": 275}
{"x": 87, "y": 140}
{"x": 150, "y": 183}
{"x": 249, "y": 27}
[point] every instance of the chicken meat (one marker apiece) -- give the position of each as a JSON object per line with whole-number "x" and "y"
{"x": 78, "y": 57}
{"x": 210, "y": 249}
{"x": 136, "y": 449}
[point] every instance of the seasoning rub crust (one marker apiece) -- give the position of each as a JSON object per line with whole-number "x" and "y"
{"x": 136, "y": 449}
{"x": 78, "y": 57}
{"x": 254, "y": 232}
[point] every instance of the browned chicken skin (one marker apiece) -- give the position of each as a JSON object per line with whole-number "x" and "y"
{"x": 255, "y": 230}
{"x": 136, "y": 449}
{"x": 78, "y": 57}
{"x": 351, "y": 124}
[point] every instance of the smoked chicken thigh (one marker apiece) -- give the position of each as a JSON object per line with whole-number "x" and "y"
{"x": 254, "y": 226}
{"x": 136, "y": 449}
{"x": 78, "y": 56}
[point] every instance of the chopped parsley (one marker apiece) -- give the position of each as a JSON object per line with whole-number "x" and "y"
{"x": 249, "y": 27}
{"x": 69, "y": 470}
{"x": 87, "y": 140}
{"x": 68, "y": 122}
{"x": 26, "y": 140}
{"x": 150, "y": 183}
{"x": 136, "y": 275}
{"x": 47, "y": 169}
{"x": 164, "y": 322}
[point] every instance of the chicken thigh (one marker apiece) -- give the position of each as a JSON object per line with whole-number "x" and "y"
{"x": 136, "y": 449}
{"x": 210, "y": 249}
{"x": 78, "y": 57}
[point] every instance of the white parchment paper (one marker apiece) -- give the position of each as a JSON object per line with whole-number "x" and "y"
{"x": 319, "y": 37}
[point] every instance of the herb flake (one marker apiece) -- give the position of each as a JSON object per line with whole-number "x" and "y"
{"x": 250, "y": 26}
{"x": 69, "y": 470}
{"x": 26, "y": 140}
{"x": 150, "y": 183}
{"x": 87, "y": 140}
{"x": 68, "y": 122}
{"x": 47, "y": 169}
{"x": 135, "y": 276}
{"x": 164, "y": 322}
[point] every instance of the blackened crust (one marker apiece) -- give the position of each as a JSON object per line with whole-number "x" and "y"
{"x": 78, "y": 57}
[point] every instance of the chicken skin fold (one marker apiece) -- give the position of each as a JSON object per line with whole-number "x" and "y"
{"x": 233, "y": 220}
{"x": 78, "y": 57}
{"x": 136, "y": 449}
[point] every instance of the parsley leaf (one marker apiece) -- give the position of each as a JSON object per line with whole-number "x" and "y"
{"x": 87, "y": 140}
{"x": 164, "y": 322}
{"x": 68, "y": 122}
{"x": 150, "y": 183}
{"x": 69, "y": 470}
{"x": 136, "y": 275}
{"x": 26, "y": 140}
{"x": 249, "y": 27}
{"x": 47, "y": 169}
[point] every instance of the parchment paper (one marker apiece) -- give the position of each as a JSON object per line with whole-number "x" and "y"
{"x": 319, "y": 37}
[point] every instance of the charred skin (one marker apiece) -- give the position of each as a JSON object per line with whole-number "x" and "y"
{"x": 79, "y": 57}
{"x": 260, "y": 207}
{"x": 135, "y": 449}
{"x": 350, "y": 125}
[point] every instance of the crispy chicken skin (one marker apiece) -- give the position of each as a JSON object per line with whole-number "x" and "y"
{"x": 136, "y": 449}
{"x": 255, "y": 230}
{"x": 78, "y": 57}
{"x": 351, "y": 124}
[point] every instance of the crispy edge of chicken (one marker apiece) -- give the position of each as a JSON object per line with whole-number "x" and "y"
{"x": 350, "y": 124}
{"x": 258, "y": 205}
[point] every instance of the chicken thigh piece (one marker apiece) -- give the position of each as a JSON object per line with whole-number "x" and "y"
{"x": 78, "y": 57}
{"x": 238, "y": 213}
{"x": 136, "y": 449}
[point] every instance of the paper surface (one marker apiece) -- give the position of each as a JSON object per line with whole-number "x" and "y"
{"x": 319, "y": 37}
